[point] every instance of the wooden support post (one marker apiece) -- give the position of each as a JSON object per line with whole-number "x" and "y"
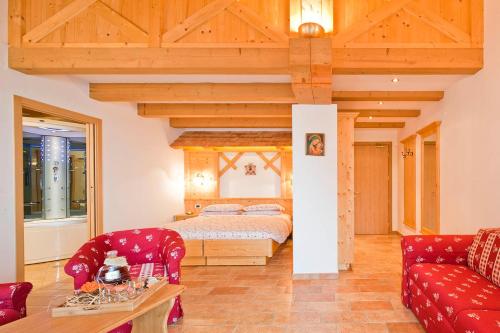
{"x": 311, "y": 70}
{"x": 345, "y": 164}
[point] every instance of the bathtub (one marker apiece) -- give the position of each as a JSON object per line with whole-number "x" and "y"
{"x": 48, "y": 240}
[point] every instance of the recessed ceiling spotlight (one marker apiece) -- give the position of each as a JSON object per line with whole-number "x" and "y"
{"x": 380, "y": 103}
{"x": 370, "y": 117}
{"x": 395, "y": 80}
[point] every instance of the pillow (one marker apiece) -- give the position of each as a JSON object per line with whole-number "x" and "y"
{"x": 223, "y": 208}
{"x": 484, "y": 257}
{"x": 219, "y": 213}
{"x": 265, "y": 207}
{"x": 263, "y": 212}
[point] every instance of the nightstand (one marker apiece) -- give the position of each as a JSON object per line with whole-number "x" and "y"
{"x": 180, "y": 217}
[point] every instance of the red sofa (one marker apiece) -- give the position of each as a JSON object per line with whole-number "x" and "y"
{"x": 153, "y": 249}
{"x": 442, "y": 291}
{"x": 13, "y": 301}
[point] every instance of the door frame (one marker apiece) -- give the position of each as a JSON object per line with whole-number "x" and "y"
{"x": 431, "y": 129}
{"x": 94, "y": 179}
{"x": 389, "y": 144}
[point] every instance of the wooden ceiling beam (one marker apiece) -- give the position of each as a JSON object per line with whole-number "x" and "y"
{"x": 254, "y": 93}
{"x": 260, "y": 123}
{"x": 164, "y": 110}
{"x": 384, "y": 113}
{"x": 193, "y": 93}
{"x": 379, "y": 125}
{"x": 231, "y": 122}
{"x": 210, "y": 59}
{"x": 387, "y": 96}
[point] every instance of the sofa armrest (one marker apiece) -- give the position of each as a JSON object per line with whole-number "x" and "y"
{"x": 13, "y": 296}
{"x": 172, "y": 250}
{"x": 449, "y": 249}
{"x": 84, "y": 265}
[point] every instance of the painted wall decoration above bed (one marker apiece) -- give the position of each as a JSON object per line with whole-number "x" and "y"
{"x": 264, "y": 183}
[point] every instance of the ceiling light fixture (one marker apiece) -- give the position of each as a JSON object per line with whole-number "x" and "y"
{"x": 380, "y": 103}
{"x": 395, "y": 80}
{"x": 370, "y": 117}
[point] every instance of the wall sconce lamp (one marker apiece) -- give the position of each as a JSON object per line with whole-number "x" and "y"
{"x": 407, "y": 152}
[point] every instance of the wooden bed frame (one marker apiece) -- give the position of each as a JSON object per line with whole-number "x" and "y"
{"x": 213, "y": 252}
{"x": 226, "y": 252}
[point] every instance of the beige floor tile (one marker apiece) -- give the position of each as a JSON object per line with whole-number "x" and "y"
{"x": 265, "y": 299}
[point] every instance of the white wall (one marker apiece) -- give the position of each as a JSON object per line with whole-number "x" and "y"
{"x": 315, "y": 192}
{"x": 142, "y": 176}
{"x": 470, "y": 153}
{"x": 266, "y": 183}
{"x": 385, "y": 135}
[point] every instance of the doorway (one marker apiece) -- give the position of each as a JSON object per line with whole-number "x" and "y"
{"x": 430, "y": 179}
{"x": 58, "y": 182}
{"x": 372, "y": 188}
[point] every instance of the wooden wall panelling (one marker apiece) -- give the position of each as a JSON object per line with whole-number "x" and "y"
{"x": 16, "y": 23}
{"x": 345, "y": 199}
{"x": 73, "y": 9}
{"x": 410, "y": 183}
{"x": 156, "y": 18}
{"x": 207, "y": 164}
{"x": 286, "y": 175}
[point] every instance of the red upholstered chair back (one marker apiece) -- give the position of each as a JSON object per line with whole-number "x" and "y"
{"x": 138, "y": 246}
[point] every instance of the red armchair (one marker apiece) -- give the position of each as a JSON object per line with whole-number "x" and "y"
{"x": 160, "y": 250}
{"x": 13, "y": 301}
{"x": 442, "y": 291}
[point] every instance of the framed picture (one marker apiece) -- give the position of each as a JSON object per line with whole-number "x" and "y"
{"x": 315, "y": 144}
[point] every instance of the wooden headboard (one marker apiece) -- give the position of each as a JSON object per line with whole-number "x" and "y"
{"x": 189, "y": 204}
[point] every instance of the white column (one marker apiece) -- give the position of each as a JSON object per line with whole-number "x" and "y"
{"x": 315, "y": 248}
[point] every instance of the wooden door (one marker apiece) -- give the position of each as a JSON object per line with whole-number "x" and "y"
{"x": 372, "y": 188}
{"x": 429, "y": 193}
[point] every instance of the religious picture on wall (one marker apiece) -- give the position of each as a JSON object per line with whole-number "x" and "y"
{"x": 315, "y": 144}
{"x": 250, "y": 169}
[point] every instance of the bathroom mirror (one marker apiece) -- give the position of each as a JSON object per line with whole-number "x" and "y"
{"x": 430, "y": 178}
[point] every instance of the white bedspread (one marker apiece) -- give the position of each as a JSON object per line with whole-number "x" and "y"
{"x": 277, "y": 227}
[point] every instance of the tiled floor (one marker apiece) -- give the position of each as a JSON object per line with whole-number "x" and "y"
{"x": 266, "y": 299}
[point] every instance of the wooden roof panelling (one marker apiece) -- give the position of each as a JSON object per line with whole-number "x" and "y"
{"x": 233, "y": 139}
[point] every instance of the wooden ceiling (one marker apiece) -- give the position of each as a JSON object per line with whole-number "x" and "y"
{"x": 202, "y": 140}
{"x": 246, "y": 37}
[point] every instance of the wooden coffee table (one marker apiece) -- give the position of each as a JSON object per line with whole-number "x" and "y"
{"x": 150, "y": 316}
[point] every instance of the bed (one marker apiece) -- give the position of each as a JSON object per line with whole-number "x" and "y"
{"x": 232, "y": 239}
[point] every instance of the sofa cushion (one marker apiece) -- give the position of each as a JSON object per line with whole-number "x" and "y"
{"x": 139, "y": 245}
{"x": 8, "y": 315}
{"x": 455, "y": 288}
{"x": 484, "y": 255}
{"x": 477, "y": 321}
{"x": 146, "y": 270}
